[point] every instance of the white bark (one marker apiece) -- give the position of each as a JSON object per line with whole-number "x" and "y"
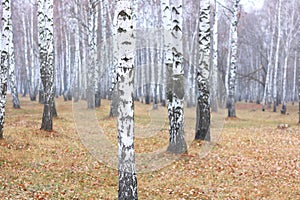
{"x": 35, "y": 75}
{"x": 46, "y": 50}
{"x": 214, "y": 71}
{"x": 84, "y": 59}
{"x": 27, "y": 69}
{"x": 5, "y": 44}
{"x": 168, "y": 59}
{"x": 176, "y": 91}
{"x": 283, "y": 110}
{"x": 277, "y": 56}
{"x": 290, "y": 34}
{"x": 104, "y": 53}
{"x": 92, "y": 54}
{"x": 125, "y": 73}
{"x": 295, "y": 78}
{"x": 233, "y": 63}
{"x": 202, "y": 77}
{"x": 11, "y": 69}
{"x": 77, "y": 62}
{"x": 228, "y": 64}
{"x": 299, "y": 96}
{"x": 268, "y": 83}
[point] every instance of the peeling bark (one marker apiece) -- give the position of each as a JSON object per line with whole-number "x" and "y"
{"x": 175, "y": 94}
{"x": 125, "y": 75}
{"x": 202, "y": 76}
{"x": 233, "y": 62}
{"x": 11, "y": 69}
{"x": 46, "y": 50}
{"x": 5, "y": 45}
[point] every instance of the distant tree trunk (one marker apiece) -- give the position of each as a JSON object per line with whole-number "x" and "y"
{"x": 268, "y": 83}
{"x": 103, "y": 53}
{"x": 168, "y": 58}
{"x": 125, "y": 72}
{"x": 84, "y": 59}
{"x": 92, "y": 55}
{"x": 275, "y": 102}
{"x": 77, "y": 61}
{"x": 203, "y": 101}
{"x": 190, "y": 82}
{"x": 233, "y": 65}
{"x": 114, "y": 76}
{"x": 27, "y": 69}
{"x": 299, "y": 96}
{"x": 98, "y": 71}
{"x": 177, "y": 142}
{"x": 283, "y": 109}
{"x": 227, "y": 74}
{"x": 11, "y": 69}
{"x": 5, "y": 45}
{"x": 295, "y": 78}
{"x": 34, "y": 60}
{"x": 214, "y": 70}
{"x": 46, "y": 50}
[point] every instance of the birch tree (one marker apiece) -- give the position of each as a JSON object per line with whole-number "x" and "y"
{"x": 279, "y": 5}
{"x": 177, "y": 142}
{"x": 168, "y": 59}
{"x": 214, "y": 70}
{"x": 294, "y": 78}
{"x": 291, "y": 30}
{"x": 299, "y": 97}
{"x": 203, "y": 101}
{"x": 77, "y": 61}
{"x": 125, "y": 75}
{"x": 46, "y": 51}
{"x": 233, "y": 61}
{"x": 268, "y": 82}
{"x": 92, "y": 53}
{"x": 5, "y": 46}
{"x": 11, "y": 56}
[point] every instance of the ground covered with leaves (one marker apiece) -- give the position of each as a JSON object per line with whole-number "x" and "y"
{"x": 253, "y": 157}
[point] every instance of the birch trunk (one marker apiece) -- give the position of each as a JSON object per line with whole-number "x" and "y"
{"x": 268, "y": 83}
{"x": 295, "y": 78}
{"x": 84, "y": 57}
{"x": 214, "y": 71}
{"x": 277, "y": 56}
{"x": 125, "y": 74}
{"x": 290, "y": 34}
{"x": 11, "y": 56}
{"x": 97, "y": 75}
{"x": 227, "y": 75}
{"x": 6, "y": 15}
{"x": 299, "y": 97}
{"x": 233, "y": 63}
{"x": 92, "y": 56}
{"x": 77, "y": 62}
{"x": 103, "y": 57}
{"x": 177, "y": 142}
{"x": 27, "y": 69}
{"x": 46, "y": 50}
{"x": 202, "y": 77}
{"x": 35, "y": 75}
{"x": 168, "y": 59}
{"x": 283, "y": 109}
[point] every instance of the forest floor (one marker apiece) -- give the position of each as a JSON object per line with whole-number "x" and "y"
{"x": 251, "y": 158}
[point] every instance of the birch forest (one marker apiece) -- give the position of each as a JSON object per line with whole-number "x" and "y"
{"x": 182, "y": 98}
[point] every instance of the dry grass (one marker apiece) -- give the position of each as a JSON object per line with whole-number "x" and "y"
{"x": 252, "y": 159}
